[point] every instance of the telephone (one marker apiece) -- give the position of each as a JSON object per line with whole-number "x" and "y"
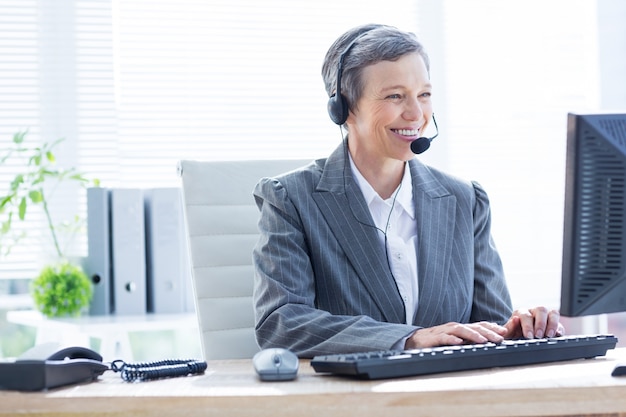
{"x": 44, "y": 367}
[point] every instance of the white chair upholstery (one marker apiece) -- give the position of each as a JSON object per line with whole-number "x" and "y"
{"x": 221, "y": 219}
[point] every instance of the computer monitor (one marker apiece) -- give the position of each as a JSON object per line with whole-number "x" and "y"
{"x": 594, "y": 236}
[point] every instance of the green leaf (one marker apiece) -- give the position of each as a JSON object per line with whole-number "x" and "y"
{"x": 36, "y": 196}
{"x": 19, "y": 137}
{"x": 5, "y": 200}
{"x": 50, "y": 156}
{"x": 6, "y": 225}
{"x": 22, "y": 208}
{"x": 15, "y": 184}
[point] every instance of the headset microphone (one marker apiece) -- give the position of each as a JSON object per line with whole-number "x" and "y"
{"x": 422, "y": 144}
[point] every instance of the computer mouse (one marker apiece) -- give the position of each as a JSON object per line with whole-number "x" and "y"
{"x": 276, "y": 364}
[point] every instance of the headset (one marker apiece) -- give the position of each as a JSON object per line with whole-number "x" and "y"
{"x": 337, "y": 104}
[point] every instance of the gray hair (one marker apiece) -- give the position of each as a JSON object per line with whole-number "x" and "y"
{"x": 372, "y": 43}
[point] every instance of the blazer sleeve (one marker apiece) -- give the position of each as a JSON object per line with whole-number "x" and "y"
{"x": 284, "y": 286}
{"x": 491, "y": 299}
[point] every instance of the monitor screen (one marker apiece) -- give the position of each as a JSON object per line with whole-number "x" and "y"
{"x": 594, "y": 236}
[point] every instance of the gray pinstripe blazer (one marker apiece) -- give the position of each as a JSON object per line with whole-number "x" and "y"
{"x": 322, "y": 283}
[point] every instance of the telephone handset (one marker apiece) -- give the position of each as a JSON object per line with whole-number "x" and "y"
{"x": 45, "y": 367}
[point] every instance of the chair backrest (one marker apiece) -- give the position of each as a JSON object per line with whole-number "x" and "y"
{"x": 221, "y": 220}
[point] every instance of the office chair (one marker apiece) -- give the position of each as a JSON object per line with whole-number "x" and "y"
{"x": 221, "y": 222}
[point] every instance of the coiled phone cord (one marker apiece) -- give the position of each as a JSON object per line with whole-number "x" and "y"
{"x": 170, "y": 368}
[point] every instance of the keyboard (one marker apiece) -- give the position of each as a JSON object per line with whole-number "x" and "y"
{"x": 393, "y": 364}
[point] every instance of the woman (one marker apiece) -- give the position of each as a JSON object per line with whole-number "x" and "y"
{"x": 369, "y": 249}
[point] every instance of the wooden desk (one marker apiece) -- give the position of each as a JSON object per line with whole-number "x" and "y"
{"x": 230, "y": 388}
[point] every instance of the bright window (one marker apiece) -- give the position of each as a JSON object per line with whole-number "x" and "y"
{"x": 136, "y": 85}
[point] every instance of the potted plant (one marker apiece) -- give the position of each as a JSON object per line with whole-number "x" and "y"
{"x": 62, "y": 288}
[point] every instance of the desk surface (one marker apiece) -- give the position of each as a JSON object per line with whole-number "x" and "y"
{"x": 230, "y": 388}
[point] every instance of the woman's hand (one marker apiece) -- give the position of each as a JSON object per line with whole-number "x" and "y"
{"x": 536, "y": 322}
{"x": 531, "y": 323}
{"x": 456, "y": 334}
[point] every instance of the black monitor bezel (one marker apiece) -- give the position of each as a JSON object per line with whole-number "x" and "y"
{"x": 599, "y": 289}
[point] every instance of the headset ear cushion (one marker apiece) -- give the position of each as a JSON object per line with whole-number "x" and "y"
{"x": 338, "y": 109}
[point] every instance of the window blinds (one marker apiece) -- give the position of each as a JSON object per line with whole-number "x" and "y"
{"x": 134, "y": 86}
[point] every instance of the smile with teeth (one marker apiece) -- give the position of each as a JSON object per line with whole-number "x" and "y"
{"x": 406, "y": 132}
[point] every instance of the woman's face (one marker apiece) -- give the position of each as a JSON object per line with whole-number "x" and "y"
{"x": 393, "y": 111}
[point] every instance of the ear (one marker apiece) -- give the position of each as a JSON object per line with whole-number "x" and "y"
{"x": 352, "y": 118}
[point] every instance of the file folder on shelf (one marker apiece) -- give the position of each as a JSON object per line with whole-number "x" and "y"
{"x": 128, "y": 251}
{"x": 168, "y": 266}
{"x": 98, "y": 262}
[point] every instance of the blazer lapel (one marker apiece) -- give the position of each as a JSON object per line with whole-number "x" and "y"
{"x": 435, "y": 214}
{"x": 343, "y": 206}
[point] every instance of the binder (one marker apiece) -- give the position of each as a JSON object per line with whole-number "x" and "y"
{"x": 128, "y": 251}
{"x": 98, "y": 262}
{"x": 168, "y": 269}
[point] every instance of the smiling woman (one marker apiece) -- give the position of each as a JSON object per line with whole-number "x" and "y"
{"x": 135, "y": 86}
{"x": 395, "y": 108}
